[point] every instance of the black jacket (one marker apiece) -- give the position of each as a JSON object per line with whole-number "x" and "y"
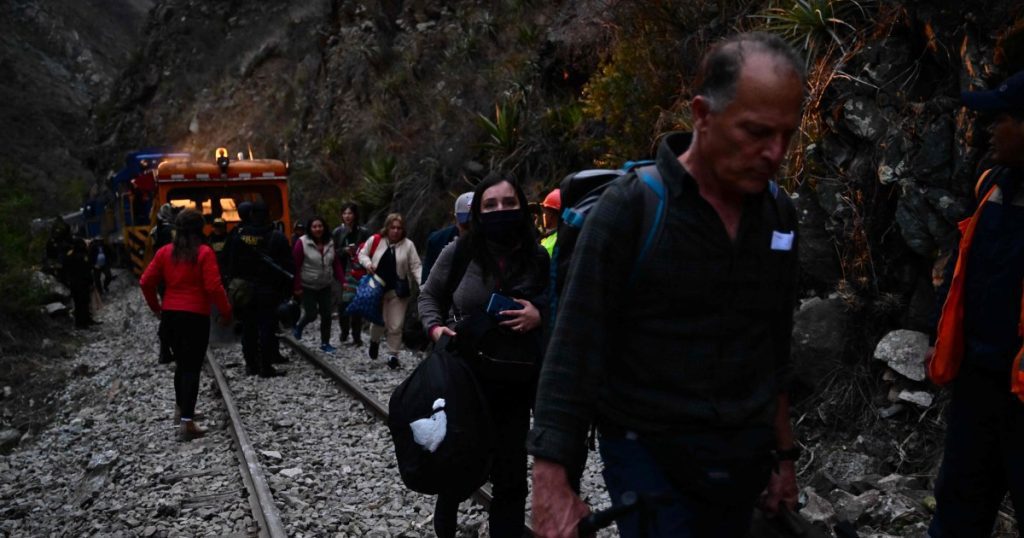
{"x": 248, "y": 254}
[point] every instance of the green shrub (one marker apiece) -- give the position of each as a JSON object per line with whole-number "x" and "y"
{"x": 19, "y": 250}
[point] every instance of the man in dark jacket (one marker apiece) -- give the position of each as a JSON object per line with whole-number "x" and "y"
{"x": 439, "y": 239}
{"x": 685, "y": 370}
{"x": 259, "y": 257}
{"x": 77, "y": 275}
{"x": 985, "y": 420}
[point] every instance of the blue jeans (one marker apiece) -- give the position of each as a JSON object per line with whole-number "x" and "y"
{"x": 629, "y": 466}
{"x": 983, "y": 457}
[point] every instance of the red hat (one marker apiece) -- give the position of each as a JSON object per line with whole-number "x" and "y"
{"x": 553, "y": 200}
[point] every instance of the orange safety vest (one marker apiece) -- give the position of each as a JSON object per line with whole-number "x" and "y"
{"x": 949, "y": 344}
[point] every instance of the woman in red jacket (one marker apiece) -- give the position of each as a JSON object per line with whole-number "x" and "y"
{"x": 187, "y": 268}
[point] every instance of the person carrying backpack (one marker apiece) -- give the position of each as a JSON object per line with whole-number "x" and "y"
{"x": 978, "y": 347}
{"x": 685, "y": 368}
{"x": 317, "y": 267}
{"x": 499, "y": 255}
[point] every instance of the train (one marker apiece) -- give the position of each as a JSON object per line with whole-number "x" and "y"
{"x": 125, "y": 214}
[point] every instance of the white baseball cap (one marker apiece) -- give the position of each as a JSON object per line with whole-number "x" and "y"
{"x": 462, "y": 204}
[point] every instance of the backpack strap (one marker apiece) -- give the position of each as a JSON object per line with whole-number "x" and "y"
{"x": 980, "y": 187}
{"x": 655, "y": 204}
{"x": 373, "y": 246}
{"x": 460, "y": 263}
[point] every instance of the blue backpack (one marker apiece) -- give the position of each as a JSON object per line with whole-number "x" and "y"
{"x": 580, "y": 193}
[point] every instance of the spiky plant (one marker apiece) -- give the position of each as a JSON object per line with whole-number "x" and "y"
{"x": 815, "y": 24}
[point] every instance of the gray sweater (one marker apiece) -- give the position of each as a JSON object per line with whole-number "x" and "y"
{"x": 474, "y": 291}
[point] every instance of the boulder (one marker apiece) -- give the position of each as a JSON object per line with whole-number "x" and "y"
{"x": 863, "y": 118}
{"x": 817, "y": 510}
{"x": 850, "y": 508}
{"x": 818, "y": 258}
{"x": 53, "y": 290}
{"x": 819, "y": 329}
{"x": 9, "y": 439}
{"x": 904, "y": 351}
{"x": 843, "y": 468}
{"x": 920, "y": 398}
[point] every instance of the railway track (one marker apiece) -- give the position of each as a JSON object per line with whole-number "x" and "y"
{"x": 317, "y": 460}
{"x": 373, "y": 405}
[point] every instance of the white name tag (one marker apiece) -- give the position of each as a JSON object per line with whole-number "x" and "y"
{"x": 782, "y": 240}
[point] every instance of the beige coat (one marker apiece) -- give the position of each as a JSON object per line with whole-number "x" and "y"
{"x": 407, "y": 259}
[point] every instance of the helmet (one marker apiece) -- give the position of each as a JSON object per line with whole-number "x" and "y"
{"x": 288, "y": 313}
{"x": 553, "y": 200}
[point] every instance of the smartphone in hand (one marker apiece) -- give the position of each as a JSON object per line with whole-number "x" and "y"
{"x": 499, "y": 303}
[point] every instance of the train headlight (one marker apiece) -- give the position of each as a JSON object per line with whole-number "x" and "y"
{"x": 223, "y": 160}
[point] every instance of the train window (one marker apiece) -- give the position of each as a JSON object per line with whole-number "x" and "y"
{"x": 183, "y": 203}
{"x": 223, "y": 201}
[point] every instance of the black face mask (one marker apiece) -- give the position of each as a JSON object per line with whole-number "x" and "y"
{"x": 502, "y": 227}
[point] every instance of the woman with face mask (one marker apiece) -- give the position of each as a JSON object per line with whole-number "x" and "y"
{"x": 499, "y": 257}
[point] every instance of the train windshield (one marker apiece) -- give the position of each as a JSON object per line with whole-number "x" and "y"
{"x": 223, "y": 202}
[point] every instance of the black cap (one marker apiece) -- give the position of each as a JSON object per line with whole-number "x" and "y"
{"x": 1009, "y": 96}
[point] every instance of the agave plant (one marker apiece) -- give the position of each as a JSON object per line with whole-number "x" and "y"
{"x": 811, "y": 24}
{"x": 503, "y": 131}
{"x": 378, "y": 181}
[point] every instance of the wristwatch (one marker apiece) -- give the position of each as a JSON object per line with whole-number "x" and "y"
{"x": 789, "y": 454}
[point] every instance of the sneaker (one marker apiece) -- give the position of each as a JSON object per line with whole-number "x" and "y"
{"x": 374, "y": 350}
{"x": 393, "y": 362}
{"x": 327, "y": 348}
{"x": 297, "y": 332}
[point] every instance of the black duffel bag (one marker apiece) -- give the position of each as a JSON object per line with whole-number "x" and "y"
{"x": 461, "y": 461}
{"x": 496, "y": 353}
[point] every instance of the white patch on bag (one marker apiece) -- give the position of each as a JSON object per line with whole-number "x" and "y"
{"x": 429, "y": 432}
{"x": 782, "y": 240}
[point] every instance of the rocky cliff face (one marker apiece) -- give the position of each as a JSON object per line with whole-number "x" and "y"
{"x": 59, "y": 58}
{"x": 339, "y": 87}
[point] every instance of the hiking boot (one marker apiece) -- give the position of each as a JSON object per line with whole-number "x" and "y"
{"x": 356, "y": 342}
{"x": 393, "y": 362}
{"x": 374, "y": 350}
{"x": 189, "y": 430}
{"x": 327, "y": 348}
{"x": 270, "y": 372}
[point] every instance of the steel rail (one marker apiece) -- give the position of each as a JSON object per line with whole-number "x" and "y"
{"x": 481, "y": 496}
{"x": 260, "y": 498}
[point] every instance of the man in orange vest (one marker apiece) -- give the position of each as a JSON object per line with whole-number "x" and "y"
{"x": 979, "y": 336}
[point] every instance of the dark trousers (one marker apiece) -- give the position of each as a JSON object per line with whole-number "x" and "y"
{"x": 629, "y": 466}
{"x": 350, "y": 323}
{"x": 102, "y": 284}
{"x": 187, "y": 334}
{"x": 984, "y": 457}
{"x": 259, "y": 338}
{"x": 510, "y": 411}
{"x": 82, "y": 295}
{"x": 314, "y": 302}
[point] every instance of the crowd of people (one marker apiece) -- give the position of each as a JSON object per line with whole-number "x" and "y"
{"x": 678, "y": 358}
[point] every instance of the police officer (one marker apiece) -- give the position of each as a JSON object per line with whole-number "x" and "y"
{"x": 257, "y": 255}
